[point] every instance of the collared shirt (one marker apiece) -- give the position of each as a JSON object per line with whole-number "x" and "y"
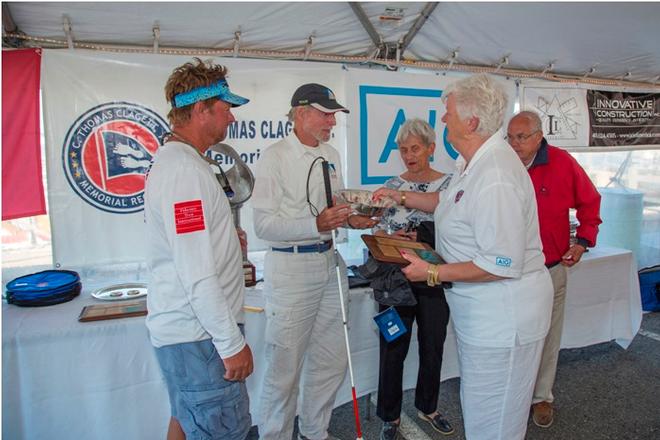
{"x": 196, "y": 286}
{"x": 560, "y": 183}
{"x": 488, "y": 216}
{"x": 282, "y": 215}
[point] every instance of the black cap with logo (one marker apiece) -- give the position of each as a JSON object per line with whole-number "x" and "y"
{"x": 318, "y": 96}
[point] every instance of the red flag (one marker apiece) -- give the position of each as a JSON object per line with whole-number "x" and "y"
{"x": 22, "y": 184}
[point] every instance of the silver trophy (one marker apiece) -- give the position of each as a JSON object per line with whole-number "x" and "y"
{"x": 238, "y": 183}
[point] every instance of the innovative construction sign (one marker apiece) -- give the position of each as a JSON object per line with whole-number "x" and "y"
{"x": 620, "y": 118}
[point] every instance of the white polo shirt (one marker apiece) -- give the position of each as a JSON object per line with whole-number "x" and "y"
{"x": 196, "y": 286}
{"x": 281, "y": 213}
{"x": 488, "y": 216}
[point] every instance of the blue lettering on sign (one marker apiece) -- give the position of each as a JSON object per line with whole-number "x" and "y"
{"x": 390, "y": 144}
{"x": 242, "y": 130}
{"x": 223, "y": 159}
{"x": 503, "y": 261}
{"x": 268, "y": 129}
{"x": 275, "y": 129}
{"x": 448, "y": 147}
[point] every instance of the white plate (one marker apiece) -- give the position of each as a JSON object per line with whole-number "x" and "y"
{"x": 119, "y": 292}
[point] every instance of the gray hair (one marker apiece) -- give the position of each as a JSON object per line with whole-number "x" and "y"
{"x": 532, "y": 117}
{"x": 292, "y": 114}
{"x": 416, "y": 127}
{"x": 482, "y": 97}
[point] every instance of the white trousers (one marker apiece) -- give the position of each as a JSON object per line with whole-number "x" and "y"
{"x": 496, "y": 389}
{"x": 548, "y": 368}
{"x": 304, "y": 343}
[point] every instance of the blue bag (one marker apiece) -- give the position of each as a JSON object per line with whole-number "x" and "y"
{"x": 44, "y": 288}
{"x": 649, "y": 287}
{"x": 390, "y": 324}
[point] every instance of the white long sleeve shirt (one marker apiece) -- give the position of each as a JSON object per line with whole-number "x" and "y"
{"x": 282, "y": 215}
{"x": 196, "y": 286}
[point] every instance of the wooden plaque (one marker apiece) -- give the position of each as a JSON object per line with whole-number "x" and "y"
{"x": 387, "y": 249}
{"x": 98, "y": 312}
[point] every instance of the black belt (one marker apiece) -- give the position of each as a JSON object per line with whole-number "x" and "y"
{"x": 551, "y": 265}
{"x": 307, "y": 248}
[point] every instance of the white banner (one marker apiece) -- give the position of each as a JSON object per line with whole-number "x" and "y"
{"x": 563, "y": 111}
{"x": 380, "y": 103}
{"x": 104, "y": 116}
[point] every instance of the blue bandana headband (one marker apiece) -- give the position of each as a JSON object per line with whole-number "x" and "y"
{"x": 219, "y": 90}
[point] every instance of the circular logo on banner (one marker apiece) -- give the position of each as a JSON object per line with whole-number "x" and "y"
{"x": 108, "y": 151}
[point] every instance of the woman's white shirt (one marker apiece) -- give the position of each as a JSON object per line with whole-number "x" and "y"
{"x": 488, "y": 216}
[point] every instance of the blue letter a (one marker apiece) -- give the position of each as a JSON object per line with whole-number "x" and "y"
{"x": 390, "y": 144}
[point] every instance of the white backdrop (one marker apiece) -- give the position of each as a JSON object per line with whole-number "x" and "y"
{"x": 380, "y": 102}
{"x": 103, "y": 114}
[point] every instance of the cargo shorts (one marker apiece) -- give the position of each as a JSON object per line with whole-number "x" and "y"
{"x": 207, "y": 406}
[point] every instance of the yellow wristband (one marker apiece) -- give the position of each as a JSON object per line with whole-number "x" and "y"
{"x": 403, "y": 198}
{"x": 430, "y": 278}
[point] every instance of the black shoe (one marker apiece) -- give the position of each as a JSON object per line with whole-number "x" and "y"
{"x": 438, "y": 422}
{"x": 389, "y": 431}
{"x": 329, "y": 437}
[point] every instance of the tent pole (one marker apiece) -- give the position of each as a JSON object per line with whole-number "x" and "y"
{"x": 417, "y": 25}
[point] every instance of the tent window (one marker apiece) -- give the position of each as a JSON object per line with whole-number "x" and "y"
{"x": 637, "y": 171}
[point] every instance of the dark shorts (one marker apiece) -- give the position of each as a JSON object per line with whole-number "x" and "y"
{"x": 206, "y": 405}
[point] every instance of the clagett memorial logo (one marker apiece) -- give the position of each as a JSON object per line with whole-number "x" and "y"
{"x": 107, "y": 152}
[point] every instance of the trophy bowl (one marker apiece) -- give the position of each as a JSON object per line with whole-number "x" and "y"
{"x": 361, "y": 202}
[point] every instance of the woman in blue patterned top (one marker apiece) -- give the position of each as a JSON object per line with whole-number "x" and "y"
{"x": 416, "y": 142}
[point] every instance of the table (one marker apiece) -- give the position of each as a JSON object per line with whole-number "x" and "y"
{"x": 100, "y": 380}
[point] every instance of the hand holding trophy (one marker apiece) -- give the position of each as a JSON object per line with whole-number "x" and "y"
{"x": 238, "y": 183}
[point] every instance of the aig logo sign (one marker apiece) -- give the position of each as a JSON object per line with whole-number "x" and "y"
{"x": 383, "y": 110}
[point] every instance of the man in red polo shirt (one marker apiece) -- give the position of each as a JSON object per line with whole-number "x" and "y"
{"x": 560, "y": 183}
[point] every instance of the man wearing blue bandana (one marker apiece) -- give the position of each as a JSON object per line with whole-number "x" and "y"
{"x": 196, "y": 287}
{"x": 304, "y": 341}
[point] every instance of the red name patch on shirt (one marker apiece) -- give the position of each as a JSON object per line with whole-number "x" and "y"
{"x": 188, "y": 216}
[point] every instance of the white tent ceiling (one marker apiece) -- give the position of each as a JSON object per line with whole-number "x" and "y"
{"x": 613, "y": 41}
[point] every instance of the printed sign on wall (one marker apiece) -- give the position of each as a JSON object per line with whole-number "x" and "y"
{"x": 621, "y": 118}
{"x": 107, "y": 152}
{"x": 105, "y": 117}
{"x": 381, "y": 103}
{"x": 563, "y": 113}
{"x": 578, "y": 117}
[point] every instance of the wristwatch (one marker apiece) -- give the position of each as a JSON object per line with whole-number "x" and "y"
{"x": 583, "y": 242}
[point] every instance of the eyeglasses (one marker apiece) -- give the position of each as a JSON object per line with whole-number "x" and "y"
{"x": 519, "y": 137}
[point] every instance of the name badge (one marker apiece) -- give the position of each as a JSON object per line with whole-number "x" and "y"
{"x": 390, "y": 324}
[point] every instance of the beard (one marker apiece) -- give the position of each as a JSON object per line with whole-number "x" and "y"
{"x": 323, "y": 135}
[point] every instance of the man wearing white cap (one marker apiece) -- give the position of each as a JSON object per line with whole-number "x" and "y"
{"x": 196, "y": 286}
{"x": 304, "y": 340}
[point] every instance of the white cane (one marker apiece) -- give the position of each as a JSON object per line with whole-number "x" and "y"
{"x": 328, "y": 194}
